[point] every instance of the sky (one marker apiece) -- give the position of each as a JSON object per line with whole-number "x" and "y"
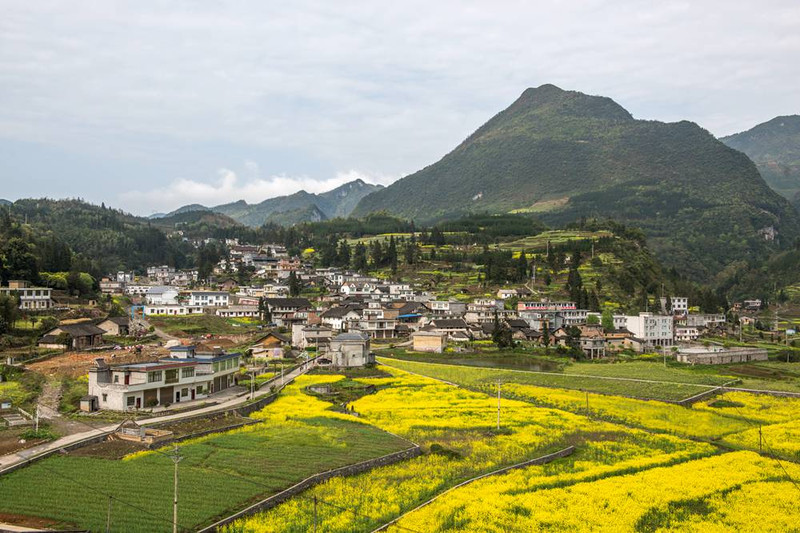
{"x": 148, "y": 106}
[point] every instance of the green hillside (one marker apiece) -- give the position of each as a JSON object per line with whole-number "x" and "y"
{"x": 774, "y": 146}
{"x": 564, "y": 155}
{"x": 63, "y": 235}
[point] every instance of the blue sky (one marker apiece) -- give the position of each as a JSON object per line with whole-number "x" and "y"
{"x": 149, "y": 106}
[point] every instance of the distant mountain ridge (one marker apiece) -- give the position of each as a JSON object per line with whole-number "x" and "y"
{"x": 294, "y": 208}
{"x": 774, "y": 147}
{"x": 564, "y": 155}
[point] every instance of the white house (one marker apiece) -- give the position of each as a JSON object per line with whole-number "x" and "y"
{"x": 209, "y": 298}
{"x": 186, "y": 375}
{"x": 654, "y": 330}
{"x": 30, "y": 298}
{"x": 162, "y": 295}
{"x": 238, "y": 311}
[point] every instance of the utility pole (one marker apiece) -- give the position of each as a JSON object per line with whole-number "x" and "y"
{"x": 315, "y": 514}
{"x": 36, "y": 418}
{"x": 175, "y": 459}
{"x": 252, "y": 384}
{"x": 587, "y": 403}
{"x": 108, "y": 517}
{"x": 498, "y": 405}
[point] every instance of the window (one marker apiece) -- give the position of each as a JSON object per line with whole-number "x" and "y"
{"x": 105, "y": 397}
{"x": 187, "y": 372}
{"x": 171, "y": 376}
{"x": 216, "y": 367}
{"x": 184, "y": 392}
{"x": 131, "y": 401}
{"x": 199, "y": 389}
{"x": 116, "y": 378}
{"x": 154, "y": 376}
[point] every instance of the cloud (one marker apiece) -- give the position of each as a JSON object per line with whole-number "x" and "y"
{"x": 230, "y": 187}
{"x": 381, "y": 87}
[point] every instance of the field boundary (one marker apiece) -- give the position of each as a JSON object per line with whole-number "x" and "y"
{"x": 297, "y": 488}
{"x": 544, "y": 459}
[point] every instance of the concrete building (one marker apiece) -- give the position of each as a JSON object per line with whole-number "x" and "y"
{"x": 209, "y": 298}
{"x": 653, "y": 330}
{"x": 185, "y": 375}
{"x": 238, "y": 311}
{"x": 350, "y": 349}
{"x": 429, "y": 341}
{"x": 162, "y": 295}
{"x": 716, "y": 355}
{"x": 118, "y": 326}
{"x": 30, "y": 298}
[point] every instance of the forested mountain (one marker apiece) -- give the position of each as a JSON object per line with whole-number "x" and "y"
{"x": 564, "y": 155}
{"x": 774, "y": 146}
{"x": 294, "y": 208}
{"x": 71, "y": 235}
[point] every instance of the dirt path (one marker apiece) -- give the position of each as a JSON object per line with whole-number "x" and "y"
{"x": 48, "y": 403}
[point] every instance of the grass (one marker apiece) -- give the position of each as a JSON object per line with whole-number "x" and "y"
{"x": 219, "y": 474}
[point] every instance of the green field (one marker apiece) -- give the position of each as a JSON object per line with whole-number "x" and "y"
{"x": 202, "y": 325}
{"x": 653, "y": 389}
{"x": 219, "y": 474}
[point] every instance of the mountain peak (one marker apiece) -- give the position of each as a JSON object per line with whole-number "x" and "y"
{"x": 549, "y": 99}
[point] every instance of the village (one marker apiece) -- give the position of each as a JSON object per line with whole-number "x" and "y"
{"x": 162, "y": 356}
{"x": 346, "y": 316}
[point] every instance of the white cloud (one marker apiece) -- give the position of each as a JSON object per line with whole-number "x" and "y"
{"x": 382, "y": 87}
{"x": 230, "y": 187}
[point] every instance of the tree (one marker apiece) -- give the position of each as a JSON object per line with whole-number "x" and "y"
{"x": 545, "y": 335}
{"x": 392, "y": 254}
{"x": 522, "y": 267}
{"x": 502, "y": 335}
{"x": 9, "y": 311}
{"x": 343, "y": 255}
{"x": 607, "y": 320}
{"x": 294, "y": 284}
{"x": 360, "y": 257}
{"x": 592, "y": 320}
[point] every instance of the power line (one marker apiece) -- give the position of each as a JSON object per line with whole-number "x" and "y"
{"x": 111, "y": 497}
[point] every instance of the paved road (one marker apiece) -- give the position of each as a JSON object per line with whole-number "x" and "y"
{"x": 13, "y": 459}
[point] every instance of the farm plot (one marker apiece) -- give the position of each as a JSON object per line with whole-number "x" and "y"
{"x": 458, "y": 429}
{"x": 650, "y": 415}
{"x": 739, "y": 491}
{"x": 219, "y": 474}
{"x": 612, "y": 385}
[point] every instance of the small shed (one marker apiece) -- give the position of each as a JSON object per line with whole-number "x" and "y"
{"x": 89, "y": 404}
{"x": 429, "y": 341}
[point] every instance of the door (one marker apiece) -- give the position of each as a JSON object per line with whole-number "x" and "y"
{"x": 192, "y": 394}
{"x": 138, "y": 403}
{"x": 177, "y": 396}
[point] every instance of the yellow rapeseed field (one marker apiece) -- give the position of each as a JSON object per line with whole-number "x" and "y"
{"x": 696, "y": 495}
{"x": 458, "y": 428}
